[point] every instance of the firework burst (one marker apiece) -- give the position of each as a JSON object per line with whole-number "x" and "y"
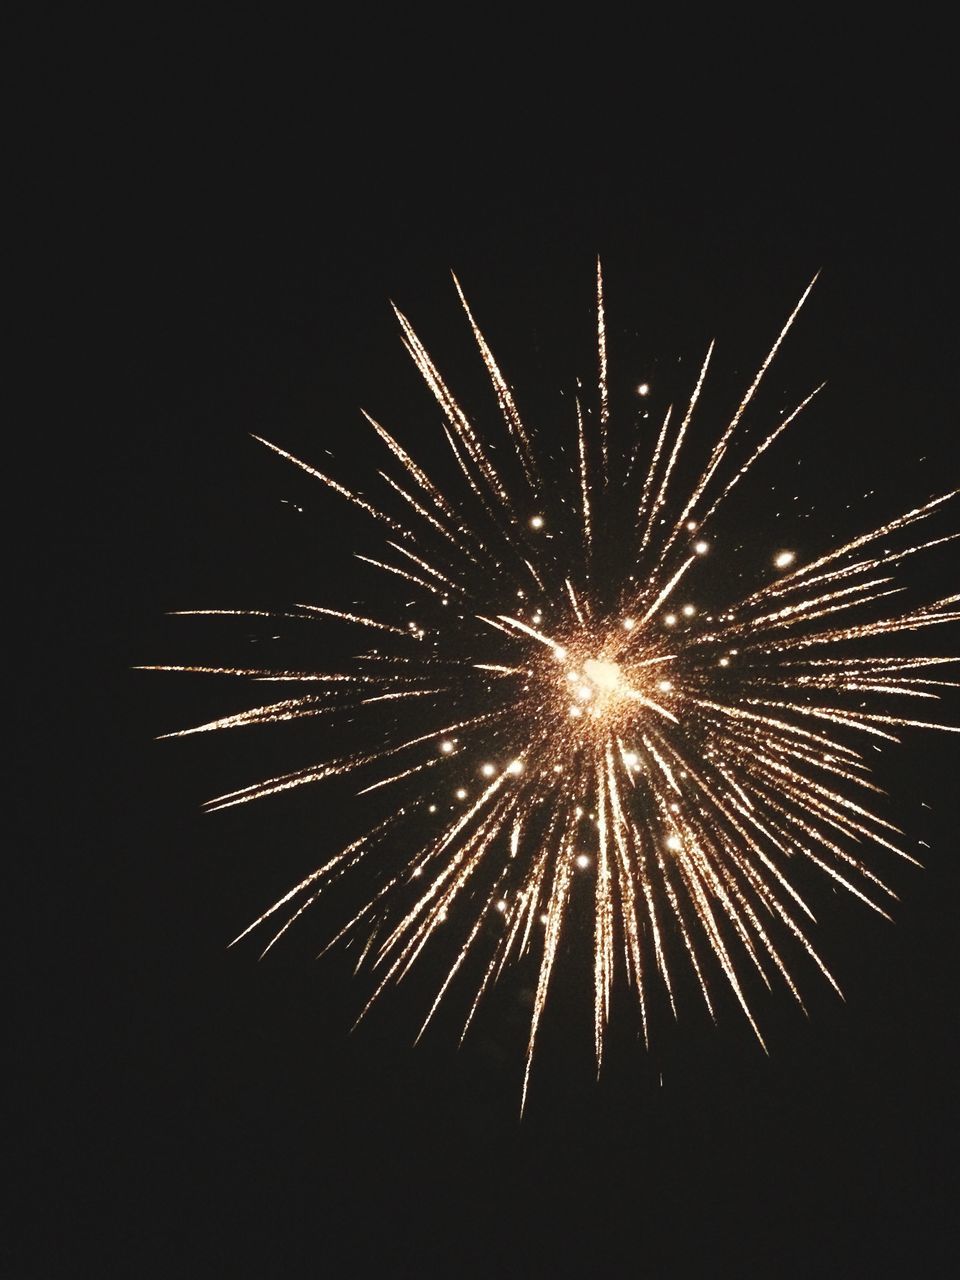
{"x": 561, "y": 709}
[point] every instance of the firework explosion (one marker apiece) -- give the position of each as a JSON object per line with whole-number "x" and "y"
{"x": 546, "y": 720}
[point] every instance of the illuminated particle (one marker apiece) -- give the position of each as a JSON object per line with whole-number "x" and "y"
{"x": 431, "y": 808}
{"x": 418, "y": 871}
{"x": 543, "y": 919}
{"x": 674, "y": 808}
{"x": 460, "y": 793}
{"x": 643, "y": 389}
{"x": 536, "y": 522}
{"x": 582, "y": 861}
{"x": 630, "y": 758}
{"x": 784, "y": 559}
{"x": 446, "y": 746}
{"x": 701, "y": 548}
{"x": 691, "y": 526}
{"x": 488, "y": 770}
{"x": 674, "y": 843}
{"x": 501, "y": 905}
{"x": 688, "y": 611}
{"x": 515, "y": 767}
{"x": 665, "y": 686}
{"x": 724, "y": 662}
{"x": 629, "y": 624}
{"x": 670, "y": 619}
{"x": 575, "y": 711}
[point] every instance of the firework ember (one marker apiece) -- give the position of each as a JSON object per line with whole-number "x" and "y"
{"x": 564, "y": 712}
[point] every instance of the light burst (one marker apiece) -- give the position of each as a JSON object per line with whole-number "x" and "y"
{"x": 562, "y": 717}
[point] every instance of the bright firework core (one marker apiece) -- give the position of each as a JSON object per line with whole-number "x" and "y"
{"x": 595, "y": 688}
{"x": 606, "y": 676}
{"x": 594, "y": 679}
{"x": 599, "y": 689}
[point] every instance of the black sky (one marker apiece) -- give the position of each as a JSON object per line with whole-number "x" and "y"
{"x": 211, "y": 246}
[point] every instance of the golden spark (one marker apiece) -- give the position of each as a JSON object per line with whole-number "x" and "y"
{"x": 571, "y": 726}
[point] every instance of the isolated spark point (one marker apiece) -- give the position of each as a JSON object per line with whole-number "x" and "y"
{"x": 601, "y": 724}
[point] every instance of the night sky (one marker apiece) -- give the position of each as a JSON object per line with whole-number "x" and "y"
{"x": 215, "y": 254}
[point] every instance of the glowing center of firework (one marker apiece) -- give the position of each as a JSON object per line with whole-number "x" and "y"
{"x": 597, "y": 687}
{"x": 605, "y": 675}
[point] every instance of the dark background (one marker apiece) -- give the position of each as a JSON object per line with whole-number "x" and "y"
{"x": 213, "y": 233}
